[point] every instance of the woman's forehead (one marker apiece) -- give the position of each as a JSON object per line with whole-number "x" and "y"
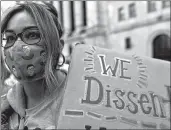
{"x": 19, "y": 21}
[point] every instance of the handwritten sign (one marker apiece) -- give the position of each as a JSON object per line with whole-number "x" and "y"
{"x": 109, "y": 90}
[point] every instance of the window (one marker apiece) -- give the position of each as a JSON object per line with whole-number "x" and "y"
{"x": 151, "y": 7}
{"x": 128, "y": 43}
{"x": 162, "y": 47}
{"x": 165, "y": 4}
{"x": 121, "y": 15}
{"x": 132, "y": 10}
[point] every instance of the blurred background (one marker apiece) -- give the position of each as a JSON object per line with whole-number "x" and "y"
{"x": 141, "y": 27}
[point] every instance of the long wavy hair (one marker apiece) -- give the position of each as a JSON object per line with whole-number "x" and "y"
{"x": 46, "y": 18}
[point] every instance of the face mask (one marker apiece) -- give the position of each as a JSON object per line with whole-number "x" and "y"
{"x": 26, "y": 62}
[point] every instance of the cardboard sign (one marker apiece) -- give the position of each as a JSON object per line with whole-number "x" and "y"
{"x": 109, "y": 90}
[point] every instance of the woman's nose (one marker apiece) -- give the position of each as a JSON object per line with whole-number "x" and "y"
{"x": 18, "y": 45}
{"x": 19, "y": 42}
{"x": 18, "y": 39}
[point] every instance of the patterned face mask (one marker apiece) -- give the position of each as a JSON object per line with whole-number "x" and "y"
{"x": 26, "y": 62}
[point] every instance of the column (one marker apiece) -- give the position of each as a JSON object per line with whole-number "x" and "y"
{"x": 103, "y": 21}
{"x": 59, "y": 5}
{"x": 66, "y": 17}
{"x": 56, "y": 4}
{"x": 78, "y": 14}
{"x": 91, "y": 13}
{"x": 102, "y": 13}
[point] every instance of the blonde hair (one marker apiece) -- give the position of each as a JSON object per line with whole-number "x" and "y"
{"x": 46, "y": 18}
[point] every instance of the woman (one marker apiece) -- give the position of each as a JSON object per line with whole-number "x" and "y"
{"x": 32, "y": 49}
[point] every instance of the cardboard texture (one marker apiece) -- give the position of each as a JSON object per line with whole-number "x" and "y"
{"x": 110, "y": 90}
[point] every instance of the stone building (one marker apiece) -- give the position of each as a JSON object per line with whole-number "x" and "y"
{"x": 83, "y": 22}
{"x": 141, "y": 27}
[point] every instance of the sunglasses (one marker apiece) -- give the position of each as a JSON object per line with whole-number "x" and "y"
{"x": 29, "y": 36}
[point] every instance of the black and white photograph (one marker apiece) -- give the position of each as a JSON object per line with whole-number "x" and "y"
{"x": 86, "y": 65}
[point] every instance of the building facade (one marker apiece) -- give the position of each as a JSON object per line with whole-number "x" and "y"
{"x": 83, "y": 22}
{"x": 141, "y": 27}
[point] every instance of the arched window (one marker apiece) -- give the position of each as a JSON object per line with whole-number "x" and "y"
{"x": 162, "y": 47}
